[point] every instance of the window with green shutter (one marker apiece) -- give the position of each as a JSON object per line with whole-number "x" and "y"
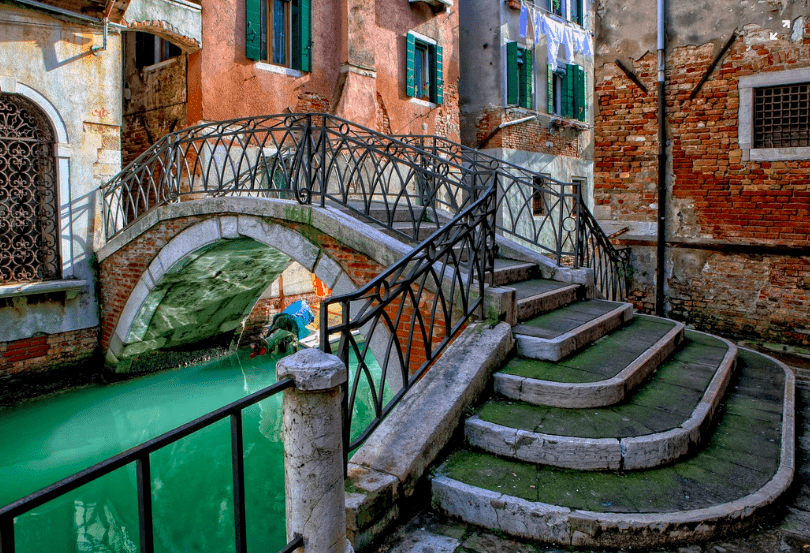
{"x": 519, "y": 75}
{"x": 567, "y": 92}
{"x": 279, "y": 32}
{"x": 424, "y": 70}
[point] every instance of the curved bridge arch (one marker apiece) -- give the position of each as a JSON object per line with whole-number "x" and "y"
{"x": 266, "y": 236}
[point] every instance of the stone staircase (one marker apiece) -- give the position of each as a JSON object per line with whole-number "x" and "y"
{"x": 611, "y": 429}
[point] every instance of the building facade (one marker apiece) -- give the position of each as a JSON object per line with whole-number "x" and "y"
{"x": 737, "y": 165}
{"x": 527, "y": 77}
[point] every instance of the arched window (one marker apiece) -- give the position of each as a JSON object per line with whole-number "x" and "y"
{"x": 28, "y": 204}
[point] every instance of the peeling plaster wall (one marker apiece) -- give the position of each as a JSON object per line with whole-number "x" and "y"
{"x": 50, "y": 62}
{"x": 738, "y": 227}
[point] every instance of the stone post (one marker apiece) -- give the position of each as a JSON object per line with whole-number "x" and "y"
{"x": 313, "y": 451}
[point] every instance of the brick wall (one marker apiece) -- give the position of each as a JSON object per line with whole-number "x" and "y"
{"x": 48, "y": 350}
{"x": 532, "y": 136}
{"x": 715, "y": 196}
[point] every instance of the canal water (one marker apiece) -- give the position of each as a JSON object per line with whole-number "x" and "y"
{"x": 49, "y": 439}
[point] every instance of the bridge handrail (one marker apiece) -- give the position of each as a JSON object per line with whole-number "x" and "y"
{"x": 413, "y": 310}
{"x": 588, "y": 245}
{"x": 140, "y": 455}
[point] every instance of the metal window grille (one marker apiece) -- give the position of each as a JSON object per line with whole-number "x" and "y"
{"x": 782, "y": 116}
{"x": 28, "y": 207}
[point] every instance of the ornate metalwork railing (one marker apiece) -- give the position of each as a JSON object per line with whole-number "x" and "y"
{"x": 400, "y": 322}
{"x": 308, "y": 157}
{"x": 140, "y": 455}
{"x": 543, "y": 214}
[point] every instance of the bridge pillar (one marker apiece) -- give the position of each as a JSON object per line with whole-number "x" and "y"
{"x": 313, "y": 451}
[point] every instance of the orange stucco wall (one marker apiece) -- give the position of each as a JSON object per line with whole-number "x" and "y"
{"x": 358, "y": 67}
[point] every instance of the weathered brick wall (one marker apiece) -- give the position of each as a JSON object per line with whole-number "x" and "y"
{"x": 532, "y": 136}
{"x": 715, "y": 196}
{"x": 47, "y": 351}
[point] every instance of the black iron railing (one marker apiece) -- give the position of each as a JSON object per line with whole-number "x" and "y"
{"x": 140, "y": 455}
{"x": 543, "y": 214}
{"x": 400, "y": 322}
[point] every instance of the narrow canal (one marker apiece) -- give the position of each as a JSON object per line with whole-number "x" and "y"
{"x": 51, "y": 438}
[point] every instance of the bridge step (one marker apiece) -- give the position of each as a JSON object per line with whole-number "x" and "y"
{"x": 666, "y": 420}
{"x": 603, "y": 374}
{"x": 728, "y": 485}
{"x": 556, "y": 334}
{"x": 508, "y": 271}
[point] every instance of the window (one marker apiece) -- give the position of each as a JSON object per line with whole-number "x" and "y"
{"x": 782, "y": 116}
{"x": 28, "y": 203}
{"x": 577, "y": 12}
{"x": 538, "y": 197}
{"x": 519, "y": 75}
{"x": 774, "y": 115}
{"x": 151, "y": 49}
{"x": 424, "y": 71}
{"x": 279, "y": 32}
{"x": 566, "y": 91}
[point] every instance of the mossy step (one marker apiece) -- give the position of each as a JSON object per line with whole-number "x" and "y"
{"x": 559, "y": 333}
{"x": 508, "y": 271}
{"x": 602, "y": 374}
{"x": 729, "y": 485}
{"x": 536, "y": 296}
{"x": 663, "y": 421}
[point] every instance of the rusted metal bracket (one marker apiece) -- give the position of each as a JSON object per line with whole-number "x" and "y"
{"x": 632, "y": 76}
{"x": 717, "y": 59}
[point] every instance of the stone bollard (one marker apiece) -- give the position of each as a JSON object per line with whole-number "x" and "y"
{"x": 313, "y": 451}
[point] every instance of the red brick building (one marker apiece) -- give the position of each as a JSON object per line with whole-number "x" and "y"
{"x": 737, "y": 258}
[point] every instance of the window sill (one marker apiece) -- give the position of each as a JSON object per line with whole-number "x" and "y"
{"x": 778, "y": 154}
{"x": 264, "y": 66}
{"x": 70, "y": 287}
{"x": 558, "y": 121}
{"x": 424, "y": 103}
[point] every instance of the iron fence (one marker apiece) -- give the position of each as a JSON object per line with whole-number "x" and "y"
{"x": 140, "y": 455}
{"x": 410, "y": 313}
{"x": 543, "y": 214}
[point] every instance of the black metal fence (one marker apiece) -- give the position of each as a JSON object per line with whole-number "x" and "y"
{"x": 140, "y": 456}
{"x": 400, "y": 322}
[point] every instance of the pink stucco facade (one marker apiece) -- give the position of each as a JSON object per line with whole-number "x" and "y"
{"x": 358, "y": 67}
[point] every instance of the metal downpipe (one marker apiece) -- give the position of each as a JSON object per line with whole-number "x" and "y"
{"x": 662, "y": 162}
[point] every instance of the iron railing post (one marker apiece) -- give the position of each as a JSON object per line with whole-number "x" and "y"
{"x": 145, "y": 504}
{"x": 579, "y": 235}
{"x": 7, "y": 534}
{"x": 238, "y": 467}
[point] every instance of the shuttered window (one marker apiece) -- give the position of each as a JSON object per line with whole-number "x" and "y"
{"x": 519, "y": 76}
{"x": 279, "y": 32}
{"x": 566, "y": 92}
{"x": 424, "y": 70}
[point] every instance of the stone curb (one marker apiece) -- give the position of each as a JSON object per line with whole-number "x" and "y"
{"x": 632, "y": 453}
{"x": 555, "y": 349}
{"x": 590, "y": 394}
{"x": 540, "y": 521}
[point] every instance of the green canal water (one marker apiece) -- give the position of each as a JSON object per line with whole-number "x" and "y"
{"x": 52, "y": 438}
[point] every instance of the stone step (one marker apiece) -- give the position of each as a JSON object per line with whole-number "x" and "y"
{"x": 728, "y": 486}
{"x": 508, "y": 271}
{"x": 538, "y": 296}
{"x": 559, "y": 333}
{"x": 600, "y": 375}
{"x": 664, "y": 421}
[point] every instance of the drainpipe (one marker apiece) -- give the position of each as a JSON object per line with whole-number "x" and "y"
{"x": 662, "y": 165}
{"x": 503, "y": 126}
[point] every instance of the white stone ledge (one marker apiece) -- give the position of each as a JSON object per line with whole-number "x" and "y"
{"x": 70, "y": 287}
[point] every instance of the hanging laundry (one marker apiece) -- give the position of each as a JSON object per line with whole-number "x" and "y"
{"x": 582, "y": 43}
{"x": 523, "y": 15}
{"x": 537, "y": 27}
{"x": 557, "y": 35}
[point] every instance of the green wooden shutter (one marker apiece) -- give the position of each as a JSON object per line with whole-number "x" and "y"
{"x": 511, "y": 73}
{"x": 253, "y": 29}
{"x": 410, "y": 46}
{"x": 305, "y": 36}
{"x": 526, "y": 93}
{"x": 550, "y": 89}
{"x": 438, "y": 76}
{"x": 568, "y": 92}
{"x": 579, "y": 93}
